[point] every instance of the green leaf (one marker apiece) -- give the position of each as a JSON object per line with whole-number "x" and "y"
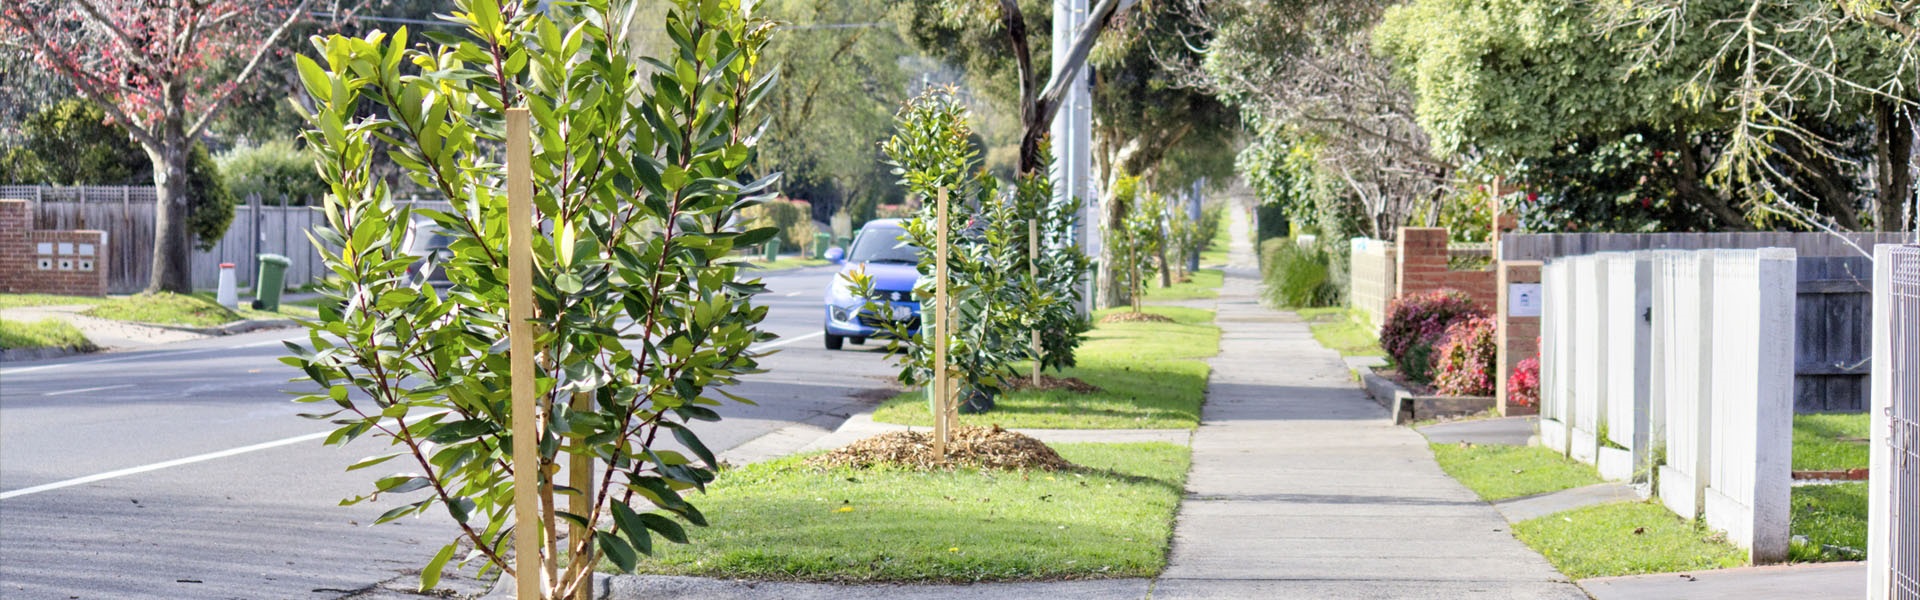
{"x": 617, "y": 551}
{"x": 430, "y": 575}
{"x": 314, "y": 78}
{"x": 633, "y": 526}
{"x": 667, "y": 527}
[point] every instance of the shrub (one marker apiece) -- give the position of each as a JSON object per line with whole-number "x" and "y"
{"x": 793, "y": 218}
{"x": 1421, "y": 320}
{"x": 1465, "y": 364}
{"x": 277, "y": 171}
{"x": 1296, "y": 277}
{"x": 1523, "y": 387}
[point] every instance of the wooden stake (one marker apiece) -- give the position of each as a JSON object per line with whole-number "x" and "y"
{"x": 580, "y": 478}
{"x": 1033, "y": 272}
{"x": 528, "y": 567}
{"x": 942, "y": 381}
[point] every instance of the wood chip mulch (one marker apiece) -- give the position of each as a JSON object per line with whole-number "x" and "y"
{"x": 1135, "y": 317}
{"x": 1049, "y": 383}
{"x": 972, "y": 446}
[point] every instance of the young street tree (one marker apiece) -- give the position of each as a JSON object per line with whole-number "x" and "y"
{"x": 160, "y": 69}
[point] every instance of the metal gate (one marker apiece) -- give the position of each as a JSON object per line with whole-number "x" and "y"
{"x": 1903, "y": 422}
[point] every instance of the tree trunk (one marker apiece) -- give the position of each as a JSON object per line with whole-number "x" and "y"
{"x": 1109, "y": 279}
{"x": 1892, "y": 157}
{"x": 172, "y": 269}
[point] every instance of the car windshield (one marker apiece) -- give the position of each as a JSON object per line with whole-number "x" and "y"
{"x": 433, "y": 239}
{"x": 882, "y": 244}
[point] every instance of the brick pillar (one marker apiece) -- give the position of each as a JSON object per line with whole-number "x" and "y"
{"x": 1422, "y": 260}
{"x": 16, "y": 253}
{"x": 1518, "y": 336}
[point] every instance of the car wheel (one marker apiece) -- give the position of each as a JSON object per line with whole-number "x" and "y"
{"x": 834, "y": 341}
{"x": 859, "y": 341}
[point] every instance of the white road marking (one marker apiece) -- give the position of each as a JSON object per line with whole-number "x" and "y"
{"x": 161, "y": 465}
{"x": 138, "y": 356}
{"x": 792, "y": 294}
{"x": 245, "y": 449}
{"x": 91, "y": 389}
{"x": 786, "y": 341}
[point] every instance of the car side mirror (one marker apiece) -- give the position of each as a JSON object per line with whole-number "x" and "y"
{"x": 836, "y": 254}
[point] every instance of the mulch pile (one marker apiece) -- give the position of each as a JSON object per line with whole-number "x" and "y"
{"x": 980, "y": 447}
{"x": 1134, "y": 317}
{"x": 1049, "y": 383}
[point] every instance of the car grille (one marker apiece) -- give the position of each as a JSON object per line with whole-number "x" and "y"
{"x": 912, "y": 322}
{"x": 893, "y": 295}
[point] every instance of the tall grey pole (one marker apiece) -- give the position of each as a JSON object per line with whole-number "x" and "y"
{"x": 1193, "y": 213}
{"x": 1072, "y": 138}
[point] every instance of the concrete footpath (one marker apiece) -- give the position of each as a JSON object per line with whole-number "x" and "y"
{"x": 1303, "y": 488}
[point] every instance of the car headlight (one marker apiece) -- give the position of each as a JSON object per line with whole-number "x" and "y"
{"x": 842, "y": 289}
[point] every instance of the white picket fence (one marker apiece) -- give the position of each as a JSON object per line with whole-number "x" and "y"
{"x": 1674, "y": 370}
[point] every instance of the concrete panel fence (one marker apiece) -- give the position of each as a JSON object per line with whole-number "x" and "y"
{"x": 1686, "y": 355}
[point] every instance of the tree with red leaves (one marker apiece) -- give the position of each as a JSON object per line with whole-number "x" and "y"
{"x": 161, "y": 68}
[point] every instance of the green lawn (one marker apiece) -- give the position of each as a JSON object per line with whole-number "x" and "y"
{"x": 1205, "y": 283}
{"x": 47, "y": 333}
{"x": 164, "y": 309}
{"x": 1151, "y": 376}
{"x": 26, "y": 300}
{"x": 782, "y": 520}
{"x": 1499, "y": 472}
{"x": 786, "y": 261}
{"x": 1830, "y": 515}
{"x": 1338, "y": 328}
{"x": 1830, "y": 442}
{"x": 1626, "y": 538}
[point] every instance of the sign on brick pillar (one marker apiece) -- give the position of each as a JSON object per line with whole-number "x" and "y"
{"x": 1518, "y": 312}
{"x": 1555, "y": 363}
{"x": 1751, "y": 442}
{"x": 1588, "y": 346}
{"x": 1683, "y": 295}
{"x": 1625, "y": 411}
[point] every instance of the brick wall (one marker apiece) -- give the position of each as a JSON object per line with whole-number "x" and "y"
{"x": 49, "y": 262}
{"x": 1518, "y": 336}
{"x": 1422, "y": 256}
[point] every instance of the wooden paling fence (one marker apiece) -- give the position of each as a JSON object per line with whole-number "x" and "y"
{"x": 125, "y": 213}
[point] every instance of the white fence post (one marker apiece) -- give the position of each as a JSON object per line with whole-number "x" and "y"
{"x": 1623, "y": 451}
{"x": 1751, "y": 450}
{"x": 1686, "y": 290}
{"x": 1554, "y": 381}
{"x": 1588, "y": 345}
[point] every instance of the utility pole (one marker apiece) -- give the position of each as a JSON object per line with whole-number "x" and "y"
{"x": 1072, "y": 138}
{"x": 1193, "y": 213}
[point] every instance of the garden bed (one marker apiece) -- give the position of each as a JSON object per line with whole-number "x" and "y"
{"x": 1110, "y": 516}
{"x": 1409, "y": 406}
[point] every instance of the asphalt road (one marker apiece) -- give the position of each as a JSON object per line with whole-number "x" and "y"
{"x": 184, "y": 472}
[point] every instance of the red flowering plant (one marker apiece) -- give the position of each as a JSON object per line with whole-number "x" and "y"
{"x": 1465, "y": 363}
{"x": 1523, "y": 386}
{"x": 1416, "y": 324}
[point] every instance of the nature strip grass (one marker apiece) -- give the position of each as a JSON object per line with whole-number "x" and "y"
{"x": 1204, "y": 283}
{"x": 1151, "y": 376}
{"x": 1498, "y": 472}
{"x": 1833, "y": 521}
{"x": 46, "y": 333}
{"x": 1339, "y": 329}
{"x": 164, "y": 309}
{"x": 782, "y": 520}
{"x": 1830, "y": 442}
{"x": 1626, "y": 538}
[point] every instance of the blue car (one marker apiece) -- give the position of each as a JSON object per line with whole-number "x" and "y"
{"x": 881, "y": 251}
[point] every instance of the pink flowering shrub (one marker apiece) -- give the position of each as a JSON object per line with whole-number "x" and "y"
{"x": 1465, "y": 363}
{"x": 1415, "y": 326}
{"x": 1523, "y": 386}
